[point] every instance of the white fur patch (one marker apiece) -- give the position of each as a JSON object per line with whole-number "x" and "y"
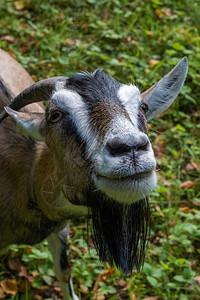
{"x": 72, "y": 103}
{"x": 130, "y": 98}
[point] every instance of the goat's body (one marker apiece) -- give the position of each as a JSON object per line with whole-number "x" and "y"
{"x": 19, "y": 223}
{"x": 22, "y": 218}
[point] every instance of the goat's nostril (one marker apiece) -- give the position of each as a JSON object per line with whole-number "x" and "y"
{"x": 117, "y": 148}
{"x": 142, "y": 146}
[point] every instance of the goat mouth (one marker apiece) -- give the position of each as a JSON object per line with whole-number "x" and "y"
{"x": 133, "y": 177}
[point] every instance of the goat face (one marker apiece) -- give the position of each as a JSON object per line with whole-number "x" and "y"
{"x": 96, "y": 129}
{"x": 103, "y": 123}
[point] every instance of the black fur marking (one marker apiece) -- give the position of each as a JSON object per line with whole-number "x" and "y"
{"x": 70, "y": 131}
{"x": 95, "y": 87}
{"x": 119, "y": 231}
{"x": 142, "y": 123}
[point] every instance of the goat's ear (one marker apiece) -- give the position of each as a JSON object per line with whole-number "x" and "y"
{"x": 28, "y": 123}
{"x": 162, "y": 94}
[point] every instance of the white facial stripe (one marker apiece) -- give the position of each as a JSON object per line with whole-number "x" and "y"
{"x": 72, "y": 103}
{"x": 130, "y": 98}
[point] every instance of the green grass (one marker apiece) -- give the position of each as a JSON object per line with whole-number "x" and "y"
{"x": 134, "y": 41}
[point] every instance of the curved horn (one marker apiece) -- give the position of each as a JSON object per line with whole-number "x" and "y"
{"x": 40, "y": 91}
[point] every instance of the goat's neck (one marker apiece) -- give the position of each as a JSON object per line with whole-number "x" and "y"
{"x": 47, "y": 187}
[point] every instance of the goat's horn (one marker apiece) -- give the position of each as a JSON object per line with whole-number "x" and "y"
{"x": 40, "y": 91}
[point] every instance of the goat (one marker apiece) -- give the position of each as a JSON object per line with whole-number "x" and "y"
{"x": 87, "y": 153}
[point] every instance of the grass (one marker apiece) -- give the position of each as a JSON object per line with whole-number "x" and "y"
{"x": 134, "y": 41}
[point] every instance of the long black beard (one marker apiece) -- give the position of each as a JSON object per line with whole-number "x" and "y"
{"x": 119, "y": 231}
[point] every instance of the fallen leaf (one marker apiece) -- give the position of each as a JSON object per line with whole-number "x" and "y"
{"x": 35, "y": 273}
{"x": 187, "y": 184}
{"x": 195, "y": 165}
{"x": 157, "y": 207}
{"x": 195, "y": 203}
{"x": 57, "y": 289}
{"x": 99, "y": 296}
{"x": 38, "y": 297}
{"x": 133, "y": 297}
{"x": 19, "y": 5}
{"x": 9, "y": 286}
{"x": 107, "y": 273}
{"x": 153, "y": 62}
{"x": 70, "y": 42}
{"x": 122, "y": 282}
{"x": 186, "y": 209}
{"x": 103, "y": 277}
{"x": 159, "y": 14}
{"x": 7, "y": 38}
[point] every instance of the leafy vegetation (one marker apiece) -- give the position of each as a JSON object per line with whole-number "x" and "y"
{"x": 134, "y": 41}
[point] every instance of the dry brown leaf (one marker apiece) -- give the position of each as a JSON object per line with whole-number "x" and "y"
{"x": 187, "y": 184}
{"x": 158, "y": 12}
{"x": 103, "y": 277}
{"x": 57, "y": 289}
{"x": 157, "y": 207}
{"x": 42, "y": 288}
{"x": 133, "y": 297}
{"x": 70, "y": 42}
{"x": 99, "y": 296}
{"x": 107, "y": 274}
{"x": 186, "y": 209}
{"x": 195, "y": 203}
{"x": 37, "y": 297}
{"x": 153, "y": 62}
{"x": 19, "y": 5}
{"x": 122, "y": 282}
{"x": 9, "y": 286}
{"x": 35, "y": 273}
{"x": 195, "y": 165}
{"x": 7, "y": 38}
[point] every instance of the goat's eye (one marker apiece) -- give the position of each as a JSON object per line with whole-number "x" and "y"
{"x": 144, "y": 107}
{"x": 55, "y": 116}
